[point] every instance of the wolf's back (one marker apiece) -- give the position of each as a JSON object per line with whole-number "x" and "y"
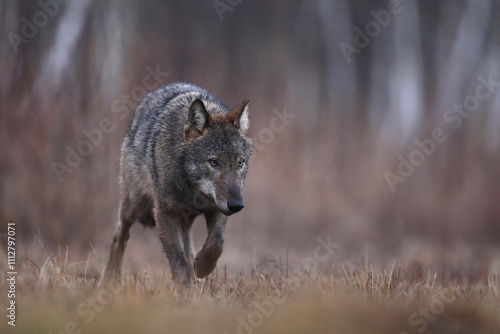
{"x": 155, "y": 106}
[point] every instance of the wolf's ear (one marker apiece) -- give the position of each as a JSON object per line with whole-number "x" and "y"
{"x": 197, "y": 120}
{"x": 239, "y": 117}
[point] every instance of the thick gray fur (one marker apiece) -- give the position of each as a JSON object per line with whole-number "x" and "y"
{"x": 184, "y": 154}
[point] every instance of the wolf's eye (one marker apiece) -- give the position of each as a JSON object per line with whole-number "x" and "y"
{"x": 241, "y": 163}
{"x": 213, "y": 162}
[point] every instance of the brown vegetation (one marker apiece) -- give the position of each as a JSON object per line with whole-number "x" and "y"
{"x": 319, "y": 173}
{"x": 59, "y": 295}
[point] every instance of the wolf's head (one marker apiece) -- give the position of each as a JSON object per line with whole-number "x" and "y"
{"x": 217, "y": 150}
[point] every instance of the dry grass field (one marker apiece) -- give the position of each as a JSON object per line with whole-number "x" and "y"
{"x": 55, "y": 294}
{"x": 374, "y": 122}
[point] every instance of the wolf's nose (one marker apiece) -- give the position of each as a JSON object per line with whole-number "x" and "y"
{"x": 235, "y": 206}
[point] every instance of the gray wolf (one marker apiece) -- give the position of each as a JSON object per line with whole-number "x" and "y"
{"x": 184, "y": 154}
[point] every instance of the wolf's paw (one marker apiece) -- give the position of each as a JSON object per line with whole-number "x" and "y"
{"x": 203, "y": 267}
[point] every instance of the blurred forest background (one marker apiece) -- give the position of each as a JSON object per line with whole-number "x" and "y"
{"x": 360, "y": 101}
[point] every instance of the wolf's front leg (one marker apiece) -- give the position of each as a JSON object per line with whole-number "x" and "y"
{"x": 206, "y": 260}
{"x": 169, "y": 227}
